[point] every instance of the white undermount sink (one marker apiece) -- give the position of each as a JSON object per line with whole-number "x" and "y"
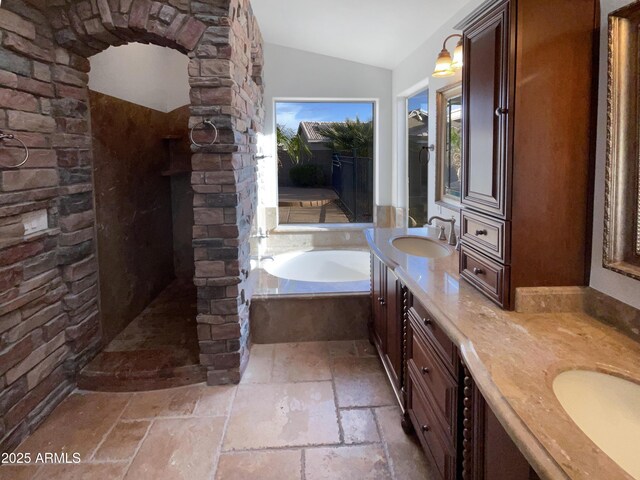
{"x": 607, "y": 410}
{"x": 420, "y": 246}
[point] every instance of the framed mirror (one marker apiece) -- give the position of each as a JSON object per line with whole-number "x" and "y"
{"x": 449, "y": 145}
{"x": 622, "y": 194}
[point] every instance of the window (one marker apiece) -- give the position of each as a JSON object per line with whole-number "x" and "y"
{"x": 449, "y": 151}
{"x": 325, "y": 162}
{"x": 418, "y": 157}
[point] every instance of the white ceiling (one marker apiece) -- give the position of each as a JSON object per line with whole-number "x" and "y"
{"x": 375, "y": 32}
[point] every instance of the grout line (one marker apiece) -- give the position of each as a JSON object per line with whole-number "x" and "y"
{"x": 104, "y": 438}
{"x": 335, "y": 401}
{"x": 135, "y": 454}
{"x": 297, "y": 447}
{"x": 303, "y": 464}
{"x": 385, "y": 446}
{"x": 219, "y": 450}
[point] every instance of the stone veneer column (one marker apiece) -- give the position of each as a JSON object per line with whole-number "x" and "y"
{"x": 49, "y": 319}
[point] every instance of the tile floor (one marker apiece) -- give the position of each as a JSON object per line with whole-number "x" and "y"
{"x": 304, "y": 411}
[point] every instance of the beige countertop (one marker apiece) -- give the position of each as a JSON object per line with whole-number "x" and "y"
{"x": 514, "y": 357}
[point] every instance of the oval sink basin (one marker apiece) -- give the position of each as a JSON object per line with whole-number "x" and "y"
{"x": 420, "y": 246}
{"x": 607, "y": 410}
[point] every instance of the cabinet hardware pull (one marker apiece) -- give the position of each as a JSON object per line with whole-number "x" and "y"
{"x": 425, "y": 428}
{"x": 501, "y": 111}
{"x": 481, "y": 232}
{"x": 425, "y": 370}
{"x": 427, "y": 321}
{"x": 383, "y": 302}
{"x": 478, "y": 271}
{"x": 379, "y": 299}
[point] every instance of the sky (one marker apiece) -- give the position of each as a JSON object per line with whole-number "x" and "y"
{"x": 290, "y": 114}
{"x": 419, "y": 101}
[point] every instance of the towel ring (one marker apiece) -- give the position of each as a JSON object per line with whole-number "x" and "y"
{"x": 8, "y": 136}
{"x": 206, "y": 123}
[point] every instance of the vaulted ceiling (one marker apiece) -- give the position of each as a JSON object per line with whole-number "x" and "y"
{"x": 374, "y": 32}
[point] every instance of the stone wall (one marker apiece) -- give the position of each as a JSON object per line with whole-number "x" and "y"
{"x": 49, "y": 317}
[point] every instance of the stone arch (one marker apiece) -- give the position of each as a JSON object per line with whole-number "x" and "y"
{"x": 223, "y": 42}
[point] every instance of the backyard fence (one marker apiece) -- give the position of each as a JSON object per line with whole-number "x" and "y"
{"x": 352, "y": 180}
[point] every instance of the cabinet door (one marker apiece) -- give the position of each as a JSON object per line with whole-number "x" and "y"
{"x": 393, "y": 327}
{"x": 378, "y": 282}
{"x": 487, "y": 93}
{"x": 488, "y": 453}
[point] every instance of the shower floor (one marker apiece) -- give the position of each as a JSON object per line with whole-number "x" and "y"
{"x": 158, "y": 349}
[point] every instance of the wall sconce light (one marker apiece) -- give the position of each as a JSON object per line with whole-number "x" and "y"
{"x": 446, "y": 65}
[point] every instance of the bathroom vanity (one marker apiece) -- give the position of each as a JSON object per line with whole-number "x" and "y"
{"x": 435, "y": 390}
{"x": 474, "y": 381}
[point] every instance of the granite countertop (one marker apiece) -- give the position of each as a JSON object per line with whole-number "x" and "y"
{"x": 514, "y": 357}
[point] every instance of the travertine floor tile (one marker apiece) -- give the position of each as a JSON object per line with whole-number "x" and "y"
{"x": 78, "y": 425}
{"x": 345, "y": 348}
{"x": 361, "y": 382}
{"x": 18, "y": 472}
{"x": 282, "y": 415}
{"x": 301, "y": 362}
{"x": 173, "y": 402}
{"x": 215, "y": 401}
{"x": 260, "y": 465}
{"x": 406, "y": 457}
{"x": 359, "y": 426}
{"x": 365, "y": 462}
{"x": 178, "y": 449}
{"x": 123, "y": 441}
{"x": 260, "y": 364}
{"x": 365, "y": 349}
{"x": 83, "y": 471}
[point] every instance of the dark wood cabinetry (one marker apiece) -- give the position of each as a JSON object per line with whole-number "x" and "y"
{"x": 387, "y": 326}
{"x": 529, "y": 83}
{"x": 456, "y": 428}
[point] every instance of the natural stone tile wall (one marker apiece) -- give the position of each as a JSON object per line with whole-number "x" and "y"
{"x": 49, "y": 318}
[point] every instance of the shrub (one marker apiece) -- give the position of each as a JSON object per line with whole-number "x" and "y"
{"x": 307, "y": 175}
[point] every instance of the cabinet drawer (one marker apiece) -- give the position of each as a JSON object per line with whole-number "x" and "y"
{"x": 427, "y": 429}
{"x": 424, "y": 321}
{"x": 488, "y": 235}
{"x": 489, "y": 277}
{"x": 432, "y": 376}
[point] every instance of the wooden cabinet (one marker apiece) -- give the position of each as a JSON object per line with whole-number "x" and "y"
{"x": 387, "y": 327}
{"x": 456, "y": 428}
{"x": 488, "y": 453}
{"x": 439, "y": 401}
{"x": 529, "y": 109}
{"x": 487, "y": 90}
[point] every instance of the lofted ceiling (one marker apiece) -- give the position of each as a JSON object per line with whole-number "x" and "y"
{"x": 375, "y": 32}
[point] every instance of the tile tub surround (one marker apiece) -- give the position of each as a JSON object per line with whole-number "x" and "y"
{"x": 514, "y": 358}
{"x": 311, "y": 317}
{"x": 259, "y": 430}
{"x": 49, "y": 318}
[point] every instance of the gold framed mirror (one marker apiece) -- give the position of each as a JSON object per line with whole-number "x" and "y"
{"x": 449, "y": 145}
{"x": 622, "y": 191}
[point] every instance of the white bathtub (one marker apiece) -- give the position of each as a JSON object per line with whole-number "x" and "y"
{"x": 330, "y": 266}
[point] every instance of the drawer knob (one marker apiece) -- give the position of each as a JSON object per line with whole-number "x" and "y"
{"x": 427, "y": 321}
{"x": 501, "y": 111}
{"x": 481, "y": 232}
{"x": 478, "y": 271}
{"x": 425, "y": 370}
{"x": 425, "y": 428}
{"x": 383, "y": 302}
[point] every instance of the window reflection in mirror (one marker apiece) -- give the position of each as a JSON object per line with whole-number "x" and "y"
{"x": 449, "y": 152}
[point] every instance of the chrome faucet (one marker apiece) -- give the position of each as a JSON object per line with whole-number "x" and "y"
{"x": 453, "y": 239}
